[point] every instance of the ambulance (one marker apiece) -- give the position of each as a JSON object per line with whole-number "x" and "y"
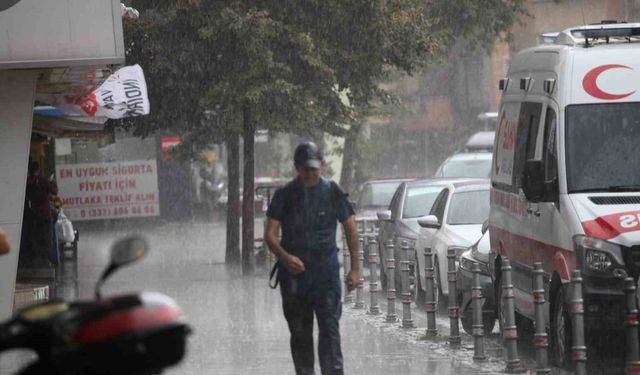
{"x": 565, "y": 180}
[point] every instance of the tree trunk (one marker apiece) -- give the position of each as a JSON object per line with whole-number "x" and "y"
{"x": 233, "y": 202}
{"x": 349, "y": 157}
{"x": 247, "y": 192}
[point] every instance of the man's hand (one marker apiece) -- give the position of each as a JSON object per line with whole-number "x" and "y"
{"x": 352, "y": 280}
{"x": 293, "y": 264}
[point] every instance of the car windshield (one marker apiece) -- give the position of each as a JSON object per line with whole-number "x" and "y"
{"x": 602, "y": 147}
{"x": 475, "y": 168}
{"x": 468, "y": 207}
{"x": 419, "y": 201}
{"x": 377, "y": 194}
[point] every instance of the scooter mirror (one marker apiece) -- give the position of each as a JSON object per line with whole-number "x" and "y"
{"x": 128, "y": 250}
{"x": 123, "y": 252}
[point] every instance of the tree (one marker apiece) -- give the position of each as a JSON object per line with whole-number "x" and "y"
{"x": 285, "y": 65}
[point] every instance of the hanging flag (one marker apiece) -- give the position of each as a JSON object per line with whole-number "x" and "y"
{"x": 123, "y": 94}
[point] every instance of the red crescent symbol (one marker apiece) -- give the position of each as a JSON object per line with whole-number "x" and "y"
{"x": 591, "y": 87}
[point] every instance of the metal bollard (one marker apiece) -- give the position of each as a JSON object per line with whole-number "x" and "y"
{"x": 540, "y": 339}
{"x": 391, "y": 284}
{"x": 346, "y": 265}
{"x": 579, "y": 350}
{"x": 374, "y": 308}
{"x": 454, "y": 327}
{"x": 510, "y": 332}
{"x": 360, "y": 288}
{"x": 430, "y": 293}
{"x": 407, "y": 322}
{"x": 633, "y": 351}
{"x": 478, "y": 326}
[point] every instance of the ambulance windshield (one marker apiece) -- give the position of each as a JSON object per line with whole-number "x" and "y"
{"x": 602, "y": 147}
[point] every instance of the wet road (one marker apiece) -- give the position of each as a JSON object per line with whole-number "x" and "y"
{"x": 237, "y": 321}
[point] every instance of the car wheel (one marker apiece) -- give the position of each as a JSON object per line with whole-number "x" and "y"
{"x": 489, "y": 322}
{"x": 419, "y": 297}
{"x": 560, "y": 331}
{"x": 466, "y": 318}
{"x": 398, "y": 279}
{"x": 436, "y": 282}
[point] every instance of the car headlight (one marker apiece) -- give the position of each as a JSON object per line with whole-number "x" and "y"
{"x": 597, "y": 255}
{"x": 466, "y": 264}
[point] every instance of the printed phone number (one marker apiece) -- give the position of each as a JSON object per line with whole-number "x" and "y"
{"x": 118, "y": 211}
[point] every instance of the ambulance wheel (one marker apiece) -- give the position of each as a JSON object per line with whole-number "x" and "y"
{"x": 560, "y": 344}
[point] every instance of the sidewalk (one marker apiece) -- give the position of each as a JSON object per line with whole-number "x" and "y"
{"x": 249, "y": 335}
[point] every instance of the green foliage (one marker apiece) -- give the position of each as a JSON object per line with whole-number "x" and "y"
{"x": 288, "y": 61}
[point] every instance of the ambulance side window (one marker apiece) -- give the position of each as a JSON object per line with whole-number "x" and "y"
{"x": 528, "y": 124}
{"x": 550, "y": 149}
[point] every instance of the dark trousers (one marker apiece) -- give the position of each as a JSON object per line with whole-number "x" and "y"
{"x": 299, "y": 311}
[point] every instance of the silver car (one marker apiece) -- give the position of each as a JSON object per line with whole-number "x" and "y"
{"x": 412, "y": 200}
{"x": 454, "y": 222}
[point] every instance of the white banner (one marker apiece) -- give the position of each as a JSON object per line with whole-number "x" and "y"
{"x": 109, "y": 190}
{"x": 123, "y": 94}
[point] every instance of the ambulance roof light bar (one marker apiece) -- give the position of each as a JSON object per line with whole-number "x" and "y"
{"x": 602, "y": 31}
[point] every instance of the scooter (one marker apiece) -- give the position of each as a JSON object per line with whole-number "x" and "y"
{"x": 133, "y": 334}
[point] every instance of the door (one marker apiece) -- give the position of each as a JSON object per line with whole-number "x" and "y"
{"x": 550, "y": 227}
{"x": 528, "y": 139}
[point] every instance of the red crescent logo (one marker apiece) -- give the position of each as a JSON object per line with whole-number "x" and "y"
{"x": 591, "y": 87}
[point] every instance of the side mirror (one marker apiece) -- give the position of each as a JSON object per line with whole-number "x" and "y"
{"x": 430, "y": 221}
{"x": 123, "y": 252}
{"x": 533, "y": 182}
{"x": 384, "y": 215}
{"x": 485, "y": 226}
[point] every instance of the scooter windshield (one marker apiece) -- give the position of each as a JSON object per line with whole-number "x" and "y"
{"x": 602, "y": 147}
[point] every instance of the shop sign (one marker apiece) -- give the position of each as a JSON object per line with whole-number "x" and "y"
{"x": 111, "y": 190}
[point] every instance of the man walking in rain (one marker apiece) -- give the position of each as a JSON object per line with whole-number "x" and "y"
{"x": 308, "y": 209}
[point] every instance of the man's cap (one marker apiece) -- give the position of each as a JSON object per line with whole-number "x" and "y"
{"x": 308, "y": 155}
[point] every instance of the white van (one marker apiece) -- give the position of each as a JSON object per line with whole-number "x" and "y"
{"x": 566, "y": 177}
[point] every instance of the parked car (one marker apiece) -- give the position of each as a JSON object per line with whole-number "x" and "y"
{"x": 477, "y": 253}
{"x": 412, "y": 200}
{"x": 454, "y": 222}
{"x": 466, "y": 164}
{"x": 375, "y": 195}
{"x": 480, "y": 141}
{"x": 372, "y": 196}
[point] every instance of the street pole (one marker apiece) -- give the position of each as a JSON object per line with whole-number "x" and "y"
{"x": 430, "y": 293}
{"x": 540, "y": 340}
{"x": 374, "y": 309}
{"x": 391, "y": 282}
{"x": 454, "y": 328}
{"x": 478, "y": 326}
